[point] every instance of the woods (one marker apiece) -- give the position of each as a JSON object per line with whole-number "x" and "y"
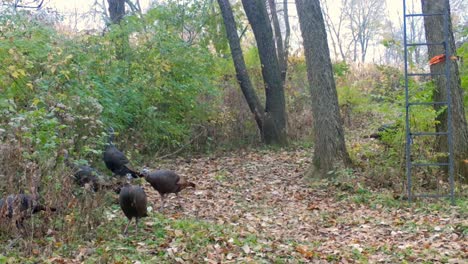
{"x": 246, "y": 131}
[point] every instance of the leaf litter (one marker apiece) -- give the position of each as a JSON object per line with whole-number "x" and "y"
{"x": 263, "y": 194}
{"x": 256, "y": 207}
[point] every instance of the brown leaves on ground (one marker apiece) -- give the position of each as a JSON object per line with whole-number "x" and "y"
{"x": 263, "y": 194}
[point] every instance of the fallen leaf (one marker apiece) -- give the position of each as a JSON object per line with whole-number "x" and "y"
{"x": 246, "y": 249}
{"x": 305, "y": 252}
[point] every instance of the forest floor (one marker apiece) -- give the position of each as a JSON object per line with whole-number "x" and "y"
{"x": 256, "y": 207}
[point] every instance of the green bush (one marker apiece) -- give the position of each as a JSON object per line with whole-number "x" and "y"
{"x": 62, "y": 92}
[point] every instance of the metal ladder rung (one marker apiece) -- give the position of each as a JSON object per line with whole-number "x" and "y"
{"x": 424, "y": 15}
{"x": 443, "y": 14}
{"x": 428, "y": 103}
{"x": 430, "y": 164}
{"x": 429, "y": 133}
{"x": 424, "y": 74}
{"x": 426, "y": 44}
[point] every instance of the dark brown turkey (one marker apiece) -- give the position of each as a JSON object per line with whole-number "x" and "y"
{"x": 115, "y": 160}
{"x": 132, "y": 200}
{"x": 82, "y": 174}
{"x": 19, "y": 207}
{"x": 166, "y": 182}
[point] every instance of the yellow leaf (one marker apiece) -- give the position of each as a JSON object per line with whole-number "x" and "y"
{"x": 30, "y": 86}
{"x": 165, "y": 66}
{"x": 53, "y": 69}
{"x": 70, "y": 218}
{"x": 36, "y": 101}
{"x": 22, "y": 72}
{"x": 12, "y": 68}
{"x": 69, "y": 57}
{"x": 66, "y": 73}
{"x": 15, "y": 74}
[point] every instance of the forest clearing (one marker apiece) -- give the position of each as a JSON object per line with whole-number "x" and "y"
{"x": 263, "y": 211}
{"x": 233, "y": 131}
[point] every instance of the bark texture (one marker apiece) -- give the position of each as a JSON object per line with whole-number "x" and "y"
{"x": 434, "y": 29}
{"x": 116, "y": 10}
{"x": 116, "y": 14}
{"x": 278, "y": 39}
{"x": 275, "y": 112}
{"x": 239, "y": 64}
{"x": 329, "y": 143}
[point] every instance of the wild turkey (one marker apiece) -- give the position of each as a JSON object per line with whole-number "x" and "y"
{"x": 165, "y": 182}
{"x": 83, "y": 175}
{"x": 132, "y": 200}
{"x": 115, "y": 160}
{"x": 385, "y": 128}
{"x": 19, "y": 207}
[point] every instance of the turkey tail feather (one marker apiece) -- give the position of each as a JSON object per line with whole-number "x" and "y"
{"x": 134, "y": 173}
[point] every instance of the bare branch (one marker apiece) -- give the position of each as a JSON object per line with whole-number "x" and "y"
{"x": 35, "y": 4}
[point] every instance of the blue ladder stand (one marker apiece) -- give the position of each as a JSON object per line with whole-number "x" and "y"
{"x": 447, "y": 103}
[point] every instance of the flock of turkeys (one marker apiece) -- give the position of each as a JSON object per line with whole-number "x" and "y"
{"x": 132, "y": 198}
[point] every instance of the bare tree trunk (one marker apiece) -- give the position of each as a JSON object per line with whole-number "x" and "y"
{"x": 328, "y": 128}
{"x": 336, "y": 30}
{"x": 33, "y": 4}
{"x": 286, "y": 36}
{"x": 116, "y": 14}
{"x": 434, "y": 27}
{"x": 275, "y": 109}
{"x": 278, "y": 39}
{"x": 116, "y": 10}
{"x": 239, "y": 63}
{"x": 364, "y": 22}
{"x": 330, "y": 27}
{"x": 415, "y": 36}
{"x": 354, "y": 50}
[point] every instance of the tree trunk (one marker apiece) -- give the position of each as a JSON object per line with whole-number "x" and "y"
{"x": 278, "y": 39}
{"x": 328, "y": 127}
{"x": 239, "y": 64}
{"x": 287, "y": 35}
{"x": 116, "y": 10}
{"x": 275, "y": 112}
{"x": 335, "y": 30}
{"x": 116, "y": 14}
{"x": 434, "y": 28}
